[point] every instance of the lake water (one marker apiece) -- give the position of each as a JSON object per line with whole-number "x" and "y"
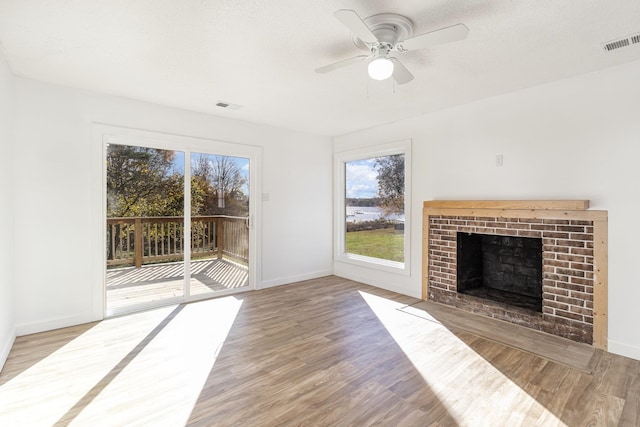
{"x": 362, "y": 213}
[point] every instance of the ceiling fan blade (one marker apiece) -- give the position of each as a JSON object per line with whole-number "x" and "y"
{"x": 443, "y": 35}
{"x": 355, "y": 24}
{"x": 400, "y": 73}
{"x": 341, "y": 64}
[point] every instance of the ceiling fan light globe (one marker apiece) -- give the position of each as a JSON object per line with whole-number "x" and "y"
{"x": 380, "y": 69}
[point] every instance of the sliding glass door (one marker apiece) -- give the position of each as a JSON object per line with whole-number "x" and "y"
{"x": 219, "y": 223}
{"x": 177, "y": 225}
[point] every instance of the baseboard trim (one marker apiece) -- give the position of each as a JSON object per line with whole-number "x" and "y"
{"x": 382, "y": 284}
{"x": 292, "y": 279}
{"x": 625, "y": 350}
{"x": 6, "y": 347}
{"x": 53, "y": 323}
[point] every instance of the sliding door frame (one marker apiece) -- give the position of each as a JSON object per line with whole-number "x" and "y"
{"x": 103, "y": 135}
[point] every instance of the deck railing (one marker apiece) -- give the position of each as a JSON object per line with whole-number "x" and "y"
{"x": 142, "y": 240}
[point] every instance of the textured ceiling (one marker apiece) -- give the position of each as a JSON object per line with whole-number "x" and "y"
{"x": 262, "y": 54}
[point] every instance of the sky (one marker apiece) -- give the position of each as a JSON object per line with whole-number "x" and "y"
{"x": 361, "y": 179}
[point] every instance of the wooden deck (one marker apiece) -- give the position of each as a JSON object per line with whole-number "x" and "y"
{"x": 325, "y": 352}
{"x": 132, "y": 286}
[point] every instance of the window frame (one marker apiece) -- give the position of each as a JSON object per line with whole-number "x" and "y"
{"x": 340, "y": 161}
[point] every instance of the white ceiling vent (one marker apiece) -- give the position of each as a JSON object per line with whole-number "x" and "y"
{"x": 228, "y": 105}
{"x": 620, "y": 43}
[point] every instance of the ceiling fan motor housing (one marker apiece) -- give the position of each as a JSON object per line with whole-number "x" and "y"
{"x": 389, "y": 29}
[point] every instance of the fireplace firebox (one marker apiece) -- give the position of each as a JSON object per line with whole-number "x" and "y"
{"x": 505, "y": 269}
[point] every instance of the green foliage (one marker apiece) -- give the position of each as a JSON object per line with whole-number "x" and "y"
{"x": 385, "y": 243}
{"x": 142, "y": 182}
{"x": 145, "y": 182}
{"x": 391, "y": 183}
{"x": 369, "y": 225}
{"x": 361, "y": 202}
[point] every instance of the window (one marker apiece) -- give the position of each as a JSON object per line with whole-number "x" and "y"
{"x": 372, "y": 202}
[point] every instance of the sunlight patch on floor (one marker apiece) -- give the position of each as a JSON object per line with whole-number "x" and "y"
{"x": 150, "y": 374}
{"x": 480, "y": 387}
{"x": 103, "y": 350}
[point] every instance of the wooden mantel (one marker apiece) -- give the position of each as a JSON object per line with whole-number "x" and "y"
{"x": 579, "y": 205}
{"x": 537, "y": 209}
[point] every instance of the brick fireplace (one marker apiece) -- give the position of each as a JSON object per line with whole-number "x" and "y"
{"x": 571, "y": 240}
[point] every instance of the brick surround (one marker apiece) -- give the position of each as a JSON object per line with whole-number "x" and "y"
{"x": 575, "y": 261}
{"x": 567, "y": 269}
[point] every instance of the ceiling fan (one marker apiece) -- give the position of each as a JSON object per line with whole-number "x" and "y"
{"x": 385, "y": 35}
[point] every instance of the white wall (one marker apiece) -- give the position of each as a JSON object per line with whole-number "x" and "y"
{"x": 7, "y": 284}
{"x": 573, "y": 139}
{"x": 57, "y": 258}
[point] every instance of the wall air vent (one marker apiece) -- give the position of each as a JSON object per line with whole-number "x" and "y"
{"x": 616, "y": 44}
{"x": 621, "y": 42}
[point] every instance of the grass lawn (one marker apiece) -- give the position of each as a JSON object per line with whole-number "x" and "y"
{"x": 385, "y": 243}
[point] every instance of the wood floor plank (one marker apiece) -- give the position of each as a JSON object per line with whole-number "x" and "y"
{"x": 324, "y": 352}
{"x": 630, "y": 415}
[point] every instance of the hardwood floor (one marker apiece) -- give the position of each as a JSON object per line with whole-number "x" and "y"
{"x": 325, "y": 352}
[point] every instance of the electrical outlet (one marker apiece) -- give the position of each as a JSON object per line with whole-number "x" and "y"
{"x": 499, "y": 160}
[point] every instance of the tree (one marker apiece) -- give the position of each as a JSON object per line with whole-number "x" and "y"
{"x": 391, "y": 183}
{"x": 223, "y": 183}
{"x": 143, "y": 182}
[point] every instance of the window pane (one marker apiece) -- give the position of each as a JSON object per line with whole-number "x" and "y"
{"x": 375, "y": 207}
{"x": 219, "y": 223}
{"x": 145, "y": 226}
